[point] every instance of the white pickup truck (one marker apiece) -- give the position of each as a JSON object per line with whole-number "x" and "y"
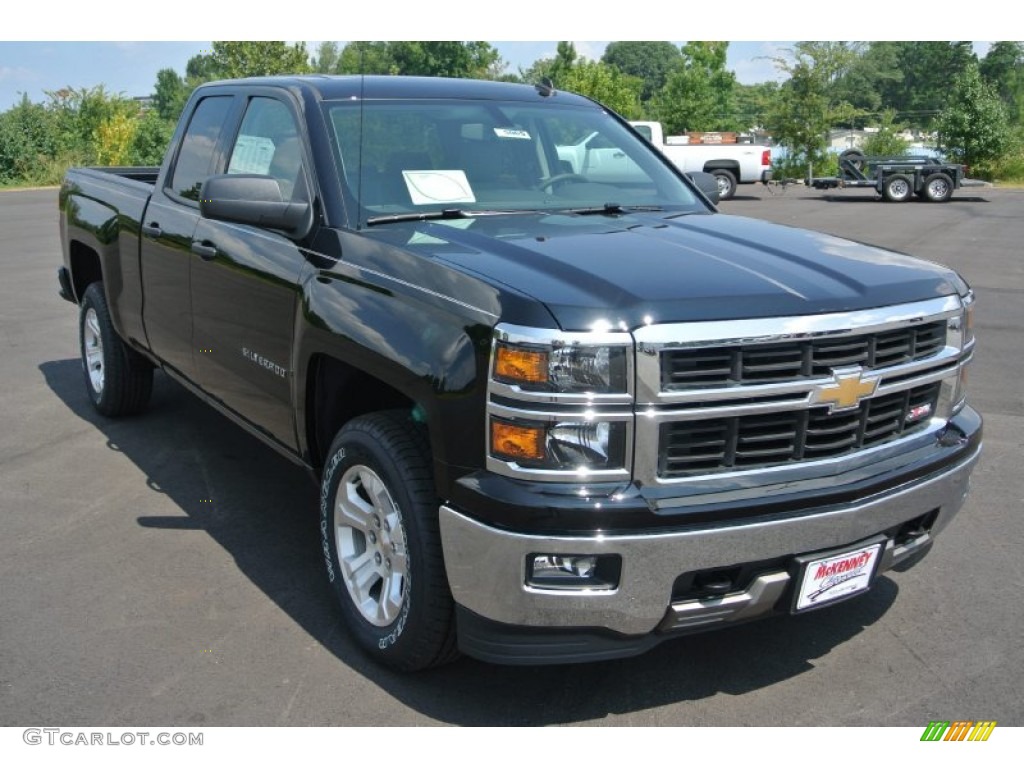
{"x": 731, "y": 164}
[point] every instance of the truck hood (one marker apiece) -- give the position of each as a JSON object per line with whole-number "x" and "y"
{"x": 625, "y": 271}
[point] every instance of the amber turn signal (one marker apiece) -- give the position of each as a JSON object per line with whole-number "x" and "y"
{"x": 515, "y": 442}
{"x": 518, "y": 365}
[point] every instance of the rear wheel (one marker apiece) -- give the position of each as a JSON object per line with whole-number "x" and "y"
{"x": 897, "y": 188}
{"x": 938, "y": 188}
{"x": 726, "y": 183}
{"x": 379, "y": 528}
{"x": 118, "y": 379}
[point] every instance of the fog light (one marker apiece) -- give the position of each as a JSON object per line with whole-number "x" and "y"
{"x": 573, "y": 571}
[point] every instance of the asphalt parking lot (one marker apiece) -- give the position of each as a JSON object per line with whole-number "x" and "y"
{"x": 163, "y": 569}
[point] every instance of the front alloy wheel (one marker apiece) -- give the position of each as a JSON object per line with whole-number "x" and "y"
{"x": 371, "y": 545}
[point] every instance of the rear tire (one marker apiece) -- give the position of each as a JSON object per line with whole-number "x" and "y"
{"x": 382, "y": 545}
{"x": 726, "y": 183}
{"x": 897, "y": 188}
{"x": 938, "y": 188}
{"x": 118, "y": 379}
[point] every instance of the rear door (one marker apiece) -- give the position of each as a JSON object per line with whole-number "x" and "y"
{"x": 167, "y": 227}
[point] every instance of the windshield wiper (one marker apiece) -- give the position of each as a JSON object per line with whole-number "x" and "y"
{"x": 447, "y": 213}
{"x": 611, "y": 209}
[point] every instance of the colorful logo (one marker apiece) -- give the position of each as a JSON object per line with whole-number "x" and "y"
{"x": 958, "y": 730}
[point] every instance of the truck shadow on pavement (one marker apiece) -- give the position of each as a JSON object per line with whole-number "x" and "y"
{"x": 263, "y": 510}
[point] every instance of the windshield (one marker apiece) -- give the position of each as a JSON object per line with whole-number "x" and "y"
{"x": 427, "y": 156}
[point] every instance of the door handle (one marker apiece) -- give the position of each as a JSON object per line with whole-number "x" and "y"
{"x": 152, "y": 229}
{"x": 205, "y": 249}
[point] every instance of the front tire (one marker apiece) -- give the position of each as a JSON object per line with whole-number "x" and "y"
{"x": 381, "y": 543}
{"x": 726, "y": 183}
{"x": 118, "y": 379}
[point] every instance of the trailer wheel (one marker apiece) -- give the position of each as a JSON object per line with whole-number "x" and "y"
{"x": 938, "y": 188}
{"x": 897, "y": 188}
{"x": 726, "y": 183}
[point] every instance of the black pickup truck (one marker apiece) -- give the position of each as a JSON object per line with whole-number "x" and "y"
{"x": 556, "y": 413}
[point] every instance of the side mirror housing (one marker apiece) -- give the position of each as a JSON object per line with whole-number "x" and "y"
{"x": 252, "y": 199}
{"x": 706, "y": 183}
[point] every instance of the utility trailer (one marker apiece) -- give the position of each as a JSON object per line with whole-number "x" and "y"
{"x": 895, "y": 178}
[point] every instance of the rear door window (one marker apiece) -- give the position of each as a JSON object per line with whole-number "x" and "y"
{"x": 197, "y": 158}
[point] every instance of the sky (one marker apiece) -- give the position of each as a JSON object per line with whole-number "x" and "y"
{"x": 122, "y": 66}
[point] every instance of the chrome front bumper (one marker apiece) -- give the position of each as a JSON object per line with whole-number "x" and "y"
{"x": 487, "y": 566}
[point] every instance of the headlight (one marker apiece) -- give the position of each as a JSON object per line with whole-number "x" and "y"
{"x": 961, "y": 334}
{"x": 572, "y": 445}
{"x": 560, "y": 404}
{"x": 961, "y": 326}
{"x": 569, "y": 368}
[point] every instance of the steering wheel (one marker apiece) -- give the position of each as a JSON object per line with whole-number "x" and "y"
{"x": 558, "y": 178}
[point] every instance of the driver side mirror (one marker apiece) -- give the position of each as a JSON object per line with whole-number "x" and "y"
{"x": 252, "y": 199}
{"x": 707, "y": 184}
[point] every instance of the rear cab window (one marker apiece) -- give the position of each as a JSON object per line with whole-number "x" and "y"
{"x": 198, "y": 158}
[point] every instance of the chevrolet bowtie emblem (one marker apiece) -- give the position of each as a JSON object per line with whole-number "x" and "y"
{"x": 847, "y": 388}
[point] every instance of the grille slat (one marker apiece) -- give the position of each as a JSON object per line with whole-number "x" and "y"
{"x": 764, "y": 440}
{"x": 765, "y": 363}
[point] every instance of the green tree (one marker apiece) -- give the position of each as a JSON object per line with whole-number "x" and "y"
{"x": 866, "y": 72}
{"x": 925, "y": 71}
{"x": 1003, "y": 69}
{"x": 810, "y": 102}
{"x": 28, "y": 133}
{"x": 753, "y": 102}
{"x": 444, "y": 58}
{"x": 327, "y": 59}
{"x": 202, "y": 68}
{"x": 973, "y": 128}
{"x": 605, "y": 84}
{"x": 366, "y": 58}
{"x": 170, "y": 94}
{"x": 253, "y": 58}
{"x": 151, "y": 139}
{"x": 698, "y": 95}
{"x": 650, "y": 61}
{"x": 552, "y": 68}
{"x": 887, "y": 142}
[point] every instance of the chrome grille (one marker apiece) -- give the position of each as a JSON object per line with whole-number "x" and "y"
{"x": 771, "y": 439}
{"x": 725, "y": 366}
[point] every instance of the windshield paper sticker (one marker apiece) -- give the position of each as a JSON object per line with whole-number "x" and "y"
{"x": 511, "y": 133}
{"x": 253, "y": 154}
{"x": 433, "y": 187}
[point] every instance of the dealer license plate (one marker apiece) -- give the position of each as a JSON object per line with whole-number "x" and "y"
{"x": 837, "y": 576}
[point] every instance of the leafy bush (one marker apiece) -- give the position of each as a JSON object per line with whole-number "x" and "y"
{"x": 794, "y": 165}
{"x": 1010, "y": 167}
{"x": 887, "y": 142}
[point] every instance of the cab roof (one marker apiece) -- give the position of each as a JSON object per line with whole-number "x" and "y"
{"x": 336, "y": 87}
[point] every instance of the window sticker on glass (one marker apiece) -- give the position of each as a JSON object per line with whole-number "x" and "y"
{"x": 511, "y": 133}
{"x": 253, "y": 154}
{"x": 433, "y": 187}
